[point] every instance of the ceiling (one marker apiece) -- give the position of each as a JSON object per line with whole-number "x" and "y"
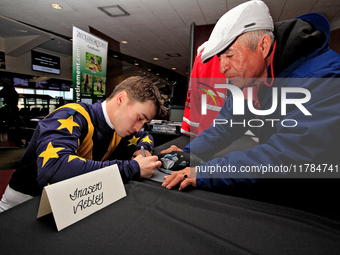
{"x": 153, "y": 29}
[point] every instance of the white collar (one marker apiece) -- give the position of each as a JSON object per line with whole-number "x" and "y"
{"x": 106, "y": 116}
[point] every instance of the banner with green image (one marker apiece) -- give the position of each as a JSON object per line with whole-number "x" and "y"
{"x": 89, "y": 66}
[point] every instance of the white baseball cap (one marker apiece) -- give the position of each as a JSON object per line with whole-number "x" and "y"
{"x": 249, "y": 16}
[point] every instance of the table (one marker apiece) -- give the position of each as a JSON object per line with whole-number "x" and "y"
{"x": 154, "y": 220}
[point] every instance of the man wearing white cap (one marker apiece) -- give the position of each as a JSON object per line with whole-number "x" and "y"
{"x": 255, "y": 53}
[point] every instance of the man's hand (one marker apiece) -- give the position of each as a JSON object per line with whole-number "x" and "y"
{"x": 181, "y": 177}
{"x": 147, "y": 153}
{"x": 172, "y": 148}
{"x": 147, "y": 165}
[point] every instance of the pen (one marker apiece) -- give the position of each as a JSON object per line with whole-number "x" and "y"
{"x": 143, "y": 151}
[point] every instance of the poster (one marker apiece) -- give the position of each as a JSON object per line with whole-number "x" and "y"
{"x": 89, "y": 67}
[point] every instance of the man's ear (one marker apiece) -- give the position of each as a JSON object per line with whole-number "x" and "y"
{"x": 265, "y": 45}
{"x": 121, "y": 97}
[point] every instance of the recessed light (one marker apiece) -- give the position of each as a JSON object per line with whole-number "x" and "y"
{"x": 115, "y": 56}
{"x": 57, "y": 6}
{"x": 136, "y": 64}
{"x": 114, "y": 11}
{"x": 155, "y": 58}
{"x": 174, "y": 68}
{"x": 149, "y": 70}
{"x": 124, "y": 42}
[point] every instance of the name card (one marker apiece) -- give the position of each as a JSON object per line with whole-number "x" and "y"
{"x": 74, "y": 199}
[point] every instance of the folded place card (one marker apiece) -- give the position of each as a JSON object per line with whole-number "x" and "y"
{"x": 74, "y": 199}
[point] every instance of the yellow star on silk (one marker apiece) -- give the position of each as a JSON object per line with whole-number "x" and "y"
{"x": 50, "y": 152}
{"x": 133, "y": 140}
{"x": 68, "y": 123}
{"x": 147, "y": 139}
{"x": 72, "y": 157}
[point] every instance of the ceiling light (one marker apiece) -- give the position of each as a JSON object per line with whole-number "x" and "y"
{"x": 174, "y": 55}
{"x": 155, "y": 58}
{"x": 57, "y": 6}
{"x": 23, "y": 30}
{"x": 114, "y": 11}
{"x": 124, "y": 42}
{"x": 174, "y": 68}
{"x": 136, "y": 64}
{"x": 115, "y": 56}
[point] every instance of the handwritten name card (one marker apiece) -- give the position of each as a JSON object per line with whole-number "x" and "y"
{"x": 76, "y": 198}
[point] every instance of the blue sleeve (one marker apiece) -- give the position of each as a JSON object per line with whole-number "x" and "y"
{"x": 311, "y": 141}
{"x": 187, "y": 148}
{"x": 60, "y": 135}
{"x": 224, "y": 132}
{"x": 218, "y": 136}
{"x": 144, "y": 139}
